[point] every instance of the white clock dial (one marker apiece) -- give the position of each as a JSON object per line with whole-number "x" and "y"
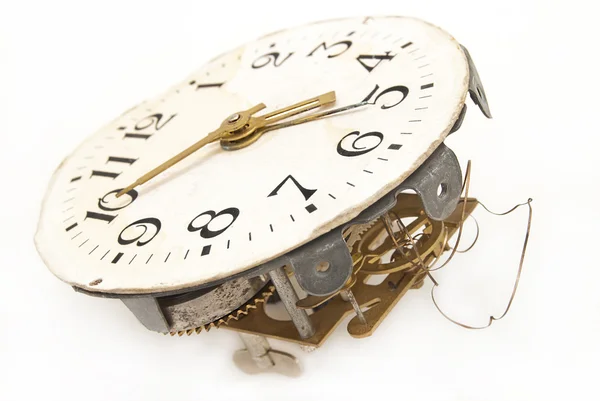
{"x": 220, "y": 212}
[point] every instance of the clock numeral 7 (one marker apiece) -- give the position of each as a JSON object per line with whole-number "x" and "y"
{"x": 307, "y": 193}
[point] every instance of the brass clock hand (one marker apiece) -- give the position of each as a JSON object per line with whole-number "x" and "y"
{"x": 235, "y": 142}
{"x": 237, "y": 126}
{"x": 312, "y": 117}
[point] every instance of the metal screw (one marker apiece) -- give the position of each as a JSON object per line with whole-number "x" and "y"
{"x": 233, "y": 118}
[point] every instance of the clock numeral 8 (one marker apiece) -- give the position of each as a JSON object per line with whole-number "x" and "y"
{"x": 355, "y": 148}
{"x": 218, "y": 222}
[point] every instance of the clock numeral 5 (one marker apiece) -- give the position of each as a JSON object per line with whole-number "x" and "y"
{"x": 401, "y": 92}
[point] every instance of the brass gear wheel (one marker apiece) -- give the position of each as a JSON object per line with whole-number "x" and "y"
{"x": 260, "y": 297}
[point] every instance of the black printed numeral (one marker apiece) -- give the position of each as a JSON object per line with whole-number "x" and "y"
{"x": 140, "y": 232}
{"x": 274, "y": 58}
{"x": 333, "y": 50}
{"x": 390, "y": 97}
{"x": 155, "y": 122}
{"x": 360, "y": 145}
{"x": 210, "y": 223}
{"x": 371, "y": 61}
{"x": 307, "y": 193}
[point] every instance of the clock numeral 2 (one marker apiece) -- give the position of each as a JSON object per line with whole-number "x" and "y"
{"x": 270, "y": 58}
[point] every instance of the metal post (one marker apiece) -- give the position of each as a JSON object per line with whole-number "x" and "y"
{"x": 289, "y": 298}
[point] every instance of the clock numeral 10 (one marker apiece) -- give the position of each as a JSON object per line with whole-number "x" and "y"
{"x": 110, "y": 203}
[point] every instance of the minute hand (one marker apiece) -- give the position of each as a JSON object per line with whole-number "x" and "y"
{"x": 312, "y": 117}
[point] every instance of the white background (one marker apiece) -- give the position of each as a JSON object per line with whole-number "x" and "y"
{"x": 68, "y": 67}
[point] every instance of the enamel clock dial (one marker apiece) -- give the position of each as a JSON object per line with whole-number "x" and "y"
{"x": 222, "y": 212}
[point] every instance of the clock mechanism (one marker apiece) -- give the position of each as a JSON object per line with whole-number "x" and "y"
{"x": 199, "y": 210}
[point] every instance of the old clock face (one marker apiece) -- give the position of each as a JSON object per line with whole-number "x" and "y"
{"x": 218, "y": 212}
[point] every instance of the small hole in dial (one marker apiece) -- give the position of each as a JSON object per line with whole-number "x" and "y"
{"x": 442, "y": 190}
{"x": 322, "y": 266}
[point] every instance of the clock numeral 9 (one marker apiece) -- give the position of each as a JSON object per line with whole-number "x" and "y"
{"x": 149, "y": 227}
{"x": 355, "y": 148}
{"x": 400, "y": 92}
{"x": 270, "y": 58}
{"x": 219, "y": 222}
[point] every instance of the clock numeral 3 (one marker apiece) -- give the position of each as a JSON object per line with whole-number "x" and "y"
{"x": 355, "y": 149}
{"x": 323, "y": 45}
{"x": 150, "y": 227}
{"x": 218, "y": 222}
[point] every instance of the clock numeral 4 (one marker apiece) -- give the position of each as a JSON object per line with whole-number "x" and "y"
{"x": 371, "y": 61}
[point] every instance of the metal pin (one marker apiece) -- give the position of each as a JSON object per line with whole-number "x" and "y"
{"x": 356, "y": 306}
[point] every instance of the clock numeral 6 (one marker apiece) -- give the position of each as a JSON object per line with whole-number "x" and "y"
{"x": 218, "y": 222}
{"x": 355, "y": 149}
{"x": 143, "y": 231}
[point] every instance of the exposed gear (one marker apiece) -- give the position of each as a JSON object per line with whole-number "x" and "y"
{"x": 354, "y": 233}
{"x": 261, "y": 297}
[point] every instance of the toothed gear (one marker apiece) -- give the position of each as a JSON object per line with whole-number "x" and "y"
{"x": 354, "y": 233}
{"x": 262, "y": 297}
